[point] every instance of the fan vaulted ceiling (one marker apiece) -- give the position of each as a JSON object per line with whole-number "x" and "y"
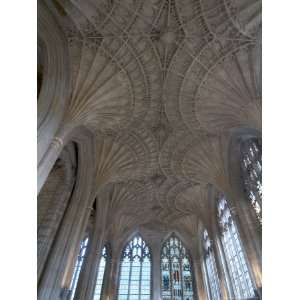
{"x": 162, "y": 84}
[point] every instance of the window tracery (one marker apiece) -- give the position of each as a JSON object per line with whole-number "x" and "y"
{"x": 78, "y": 266}
{"x": 234, "y": 255}
{"x": 176, "y": 271}
{"x": 105, "y": 256}
{"x": 211, "y": 268}
{"x": 252, "y": 173}
{"x": 135, "y": 271}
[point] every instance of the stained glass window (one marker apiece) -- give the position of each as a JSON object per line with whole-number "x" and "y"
{"x": 176, "y": 271}
{"x": 252, "y": 173}
{"x": 211, "y": 269}
{"x": 78, "y": 266}
{"x": 234, "y": 255}
{"x": 105, "y": 256}
{"x": 135, "y": 271}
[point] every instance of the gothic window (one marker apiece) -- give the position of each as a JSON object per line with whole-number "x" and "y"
{"x": 252, "y": 173}
{"x": 135, "y": 271}
{"x": 234, "y": 255}
{"x": 78, "y": 266}
{"x": 211, "y": 269}
{"x": 176, "y": 271}
{"x": 105, "y": 256}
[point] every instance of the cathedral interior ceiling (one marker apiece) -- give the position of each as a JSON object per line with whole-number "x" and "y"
{"x": 161, "y": 84}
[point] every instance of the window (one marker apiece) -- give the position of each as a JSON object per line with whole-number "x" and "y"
{"x": 211, "y": 269}
{"x": 176, "y": 271}
{"x": 252, "y": 173}
{"x": 105, "y": 255}
{"x": 235, "y": 258}
{"x": 135, "y": 271}
{"x": 78, "y": 266}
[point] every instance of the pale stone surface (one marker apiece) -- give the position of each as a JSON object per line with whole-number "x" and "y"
{"x": 153, "y": 97}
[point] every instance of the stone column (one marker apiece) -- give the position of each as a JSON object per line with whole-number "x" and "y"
{"x": 112, "y": 287}
{"x": 88, "y": 275}
{"x": 205, "y": 280}
{"x": 249, "y": 239}
{"x": 198, "y": 277}
{"x": 52, "y": 203}
{"x": 156, "y": 273}
{"x": 105, "y": 283}
{"x": 218, "y": 253}
{"x": 250, "y": 235}
{"x": 55, "y": 90}
{"x": 223, "y": 270}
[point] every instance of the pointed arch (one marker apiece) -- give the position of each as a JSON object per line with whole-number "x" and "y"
{"x": 177, "y": 280}
{"x": 135, "y": 270}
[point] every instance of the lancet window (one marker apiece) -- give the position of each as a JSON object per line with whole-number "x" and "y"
{"x": 105, "y": 255}
{"x": 78, "y": 266}
{"x": 234, "y": 255}
{"x": 211, "y": 268}
{"x": 176, "y": 271}
{"x": 135, "y": 271}
{"x": 252, "y": 173}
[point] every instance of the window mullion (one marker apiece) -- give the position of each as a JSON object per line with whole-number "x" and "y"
{"x": 181, "y": 276}
{"x": 171, "y": 277}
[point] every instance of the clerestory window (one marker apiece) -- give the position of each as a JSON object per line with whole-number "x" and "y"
{"x": 176, "y": 271}
{"x": 251, "y": 166}
{"x": 105, "y": 255}
{"x": 135, "y": 271}
{"x": 234, "y": 255}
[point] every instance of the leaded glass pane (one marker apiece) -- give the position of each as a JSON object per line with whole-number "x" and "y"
{"x": 235, "y": 258}
{"x": 135, "y": 271}
{"x": 105, "y": 254}
{"x": 78, "y": 266}
{"x": 252, "y": 173}
{"x": 176, "y": 271}
{"x": 210, "y": 264}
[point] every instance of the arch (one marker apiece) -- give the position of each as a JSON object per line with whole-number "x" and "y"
{"x": 179, "y": 235}
{"x": 55, "y": 87}
{"x": 80, "y": 135}
{"x": 135, "y": 270}
{"x": 53, "y": 201}
{"x": 177, "y": 278}
{"x": 245, "y": 217}
{"x": 61, "y": 259}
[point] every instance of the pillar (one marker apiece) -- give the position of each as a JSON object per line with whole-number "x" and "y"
{"x": 156, "y": 276}
{"x": 59, "y": 267}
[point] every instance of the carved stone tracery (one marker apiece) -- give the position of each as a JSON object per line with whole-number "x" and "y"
{"x": 160, "y": 85}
